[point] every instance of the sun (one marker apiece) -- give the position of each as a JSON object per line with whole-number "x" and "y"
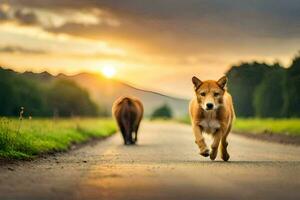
{"x": 108, "y": 71}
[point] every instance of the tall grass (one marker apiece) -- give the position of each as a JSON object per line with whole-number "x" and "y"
{"x": 37, "y": 136}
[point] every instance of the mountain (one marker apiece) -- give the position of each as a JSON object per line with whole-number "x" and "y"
{"x": 105, "y": 91}
{"x": 43, "y": 95}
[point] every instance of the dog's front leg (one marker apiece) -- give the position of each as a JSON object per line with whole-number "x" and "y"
{"x": 225, "y": 155}
{"x": 200, "y": 141}
{"x": 215, "y": 145}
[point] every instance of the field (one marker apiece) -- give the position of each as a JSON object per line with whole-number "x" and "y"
{"x": 258, "y": 126}
{"x": 277, "y": 126}
{"x": 23, "y": 139}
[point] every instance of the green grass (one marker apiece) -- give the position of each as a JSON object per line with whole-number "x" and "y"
{"x": 277, "y": 126}
{"x": 258, "y": 126}
{"x": 29, "y": 138}
{"x": 185, "y": 120}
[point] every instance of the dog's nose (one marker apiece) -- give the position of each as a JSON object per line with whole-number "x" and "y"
{"x": 209, "y": 106}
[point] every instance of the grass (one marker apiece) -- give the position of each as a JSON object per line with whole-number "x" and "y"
{"x": 24, "y": 139}
{"x": 276, "y": 126}
{"x": 185, "y": 120}
{"x": 259, "y": 126}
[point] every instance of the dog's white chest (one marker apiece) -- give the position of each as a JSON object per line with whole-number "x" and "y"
{"x": 210, "y": 125}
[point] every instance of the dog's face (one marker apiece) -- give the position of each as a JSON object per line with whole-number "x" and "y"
{"x": 210, "y": 93}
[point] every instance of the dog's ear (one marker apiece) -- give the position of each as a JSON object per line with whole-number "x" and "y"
{"x": 196, "y": 81}
{"x": 222, "y": 82}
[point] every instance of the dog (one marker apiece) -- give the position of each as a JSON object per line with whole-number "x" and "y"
{"x": 128, "y": 112}
{"x": 211, "y": 111}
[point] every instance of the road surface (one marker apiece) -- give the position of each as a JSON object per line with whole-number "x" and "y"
{"x": 165, "y": 165}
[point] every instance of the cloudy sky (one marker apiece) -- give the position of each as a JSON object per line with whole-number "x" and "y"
{"x": 154, "y": 44}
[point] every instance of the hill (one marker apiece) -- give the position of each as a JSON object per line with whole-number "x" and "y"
{"x": 104, "y": 92}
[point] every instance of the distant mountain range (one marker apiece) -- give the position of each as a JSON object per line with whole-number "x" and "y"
{"x": 105, "y": 91}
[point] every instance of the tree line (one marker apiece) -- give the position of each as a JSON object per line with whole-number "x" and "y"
{"x": 42, "y": 95}
{"x": 266, "y": 90}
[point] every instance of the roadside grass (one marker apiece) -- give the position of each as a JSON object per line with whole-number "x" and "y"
{"x": 259, "y": 126}
{"x": 185, "y": 120}
{"x": 25, "y": 139}
{"x": 276, "y": 126}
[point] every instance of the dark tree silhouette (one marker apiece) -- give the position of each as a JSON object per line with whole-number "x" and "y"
{"x": 292, "y": 105}
{"x": 269, "y": 95}
{"x": 162, "y": 112}
{"x": 262, "y": 90}
{"x": 243, "y": 81}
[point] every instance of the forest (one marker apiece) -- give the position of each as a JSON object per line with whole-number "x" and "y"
{"x": 42, "y": 95}
{"x": 266, "y": 91}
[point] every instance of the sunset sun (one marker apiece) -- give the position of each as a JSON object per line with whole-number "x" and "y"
{"x": 108, "y": 71}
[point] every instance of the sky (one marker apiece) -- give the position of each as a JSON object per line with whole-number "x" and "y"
{"x": 153, "y": 44}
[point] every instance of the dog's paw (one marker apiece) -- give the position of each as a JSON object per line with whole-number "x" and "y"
{"x": 225, "y": 157}
{"x": 213, "y": 154}
{"x": 205, "y": 153}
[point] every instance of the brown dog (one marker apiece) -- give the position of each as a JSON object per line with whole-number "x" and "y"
{"x": 211, "y": 111}
{"x": 128, "y": 112}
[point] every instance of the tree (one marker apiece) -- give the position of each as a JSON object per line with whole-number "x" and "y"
{"x": 68, "y": 99}
{"x": 163, "y": 111}
{"x": 16, "y": 92}
{"x": 292, "y": 105}
{"x": 243, "y": 80}
{"x": 269, "y": 95}
{"x": 42, "y": 95}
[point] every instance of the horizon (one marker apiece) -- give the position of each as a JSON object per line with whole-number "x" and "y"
{"x": 136, "y": 85}
{"x": 101, "y": 76}
{"x": 158, "y": 45}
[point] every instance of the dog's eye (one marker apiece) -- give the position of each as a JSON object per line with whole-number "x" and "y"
{"x": 202, "y": 94}
{"x": 216, "y": 94}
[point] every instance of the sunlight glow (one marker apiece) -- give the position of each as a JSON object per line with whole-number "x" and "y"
{"x": 108, "y": 71}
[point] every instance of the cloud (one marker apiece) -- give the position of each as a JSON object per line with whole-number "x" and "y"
{"x": 26, "y": 12}
{"x": 3, "y": 12}
{"x": 3, "y": 16}
{"x": 21, "y": 16}
{"x": 244, "y": 15}
{"x": 19, "y": 49}
{"x": 26, "y": 17}
{"x": 94, "y": 55}
{"x": 37, "y": 37}
{"x": 172, "y": 19}
{"x": 173, "y": 27}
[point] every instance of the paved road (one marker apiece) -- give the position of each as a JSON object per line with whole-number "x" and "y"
{"x": 165, "y": 165}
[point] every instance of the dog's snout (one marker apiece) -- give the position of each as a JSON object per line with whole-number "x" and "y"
{"x": 209, "y": 106}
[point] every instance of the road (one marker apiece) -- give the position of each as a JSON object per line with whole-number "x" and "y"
{"x": 164, "y": 165}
